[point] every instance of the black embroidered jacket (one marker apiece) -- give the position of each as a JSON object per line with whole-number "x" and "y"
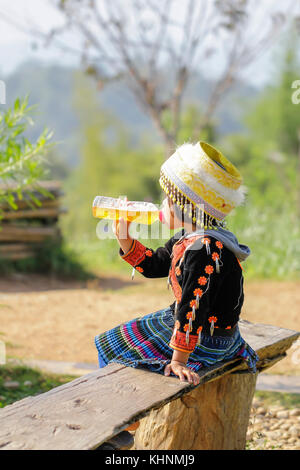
{"x": 206, "y": 278}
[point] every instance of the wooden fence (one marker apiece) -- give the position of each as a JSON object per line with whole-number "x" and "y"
{"x": 23, "y": 231}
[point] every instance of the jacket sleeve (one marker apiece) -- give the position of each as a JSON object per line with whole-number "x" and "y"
{"x": 200, "y": 279}
{"x": 150, "y": 263}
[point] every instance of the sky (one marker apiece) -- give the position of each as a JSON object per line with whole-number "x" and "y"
{"x": 16, "y": 46}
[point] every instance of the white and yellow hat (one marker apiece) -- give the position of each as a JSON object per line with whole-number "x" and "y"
{"x": 200, "y": 175}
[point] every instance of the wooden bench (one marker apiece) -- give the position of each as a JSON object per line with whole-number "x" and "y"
{"x": 94, "y": 408}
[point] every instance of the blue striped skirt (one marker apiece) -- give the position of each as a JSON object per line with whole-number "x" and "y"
{"x": 144, "y": 342}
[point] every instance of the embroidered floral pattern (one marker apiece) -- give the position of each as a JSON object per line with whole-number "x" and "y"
{"x": 193, "y": 303}
{"x": 219, "y": 244}
{"x": 212, "y": 319}
{"x": 148, "y": 253}
{"x": 205, "y": 240}
{"x": 189, "y": 315}
{"x": 198, "y": 292}
{"x": 215, "y": 256}
{"x": 138, "y": 268}
{"x": 202, "y": 280}
{"x": 209, "y": 269}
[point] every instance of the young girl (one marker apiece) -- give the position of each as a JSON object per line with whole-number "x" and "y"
{"x": 203, "y": 265}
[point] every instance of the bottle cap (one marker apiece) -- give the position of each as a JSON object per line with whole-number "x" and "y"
{"x": 161, "y": 217}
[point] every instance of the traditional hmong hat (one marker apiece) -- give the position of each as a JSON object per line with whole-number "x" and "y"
{"x": 198, "y": 174}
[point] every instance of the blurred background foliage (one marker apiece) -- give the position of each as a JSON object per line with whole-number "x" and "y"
{"x": 264, "y": 145}
{"x": 266, "y": 152}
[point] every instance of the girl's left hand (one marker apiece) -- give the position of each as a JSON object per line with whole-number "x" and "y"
{"x": 182, "y": 371}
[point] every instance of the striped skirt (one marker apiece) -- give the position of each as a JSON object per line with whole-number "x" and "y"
{"x": 144, "y": 342}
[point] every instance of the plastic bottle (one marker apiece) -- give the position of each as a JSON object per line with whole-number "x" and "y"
{"x": 132, "y": 211}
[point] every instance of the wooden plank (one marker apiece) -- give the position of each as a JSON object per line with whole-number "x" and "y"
{"x": 54, "y": 187}
{"x": 23, "y": 204}
{"x": 18, "y": 255}
{"x": 8, "y": 247}
{"x": 27, "y": 234}
{"x": 34, "y": 213}
{"x": 49, "y": 185}
{"x": 90, "y": 410}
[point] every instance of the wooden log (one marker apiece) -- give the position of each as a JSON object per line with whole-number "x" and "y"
{"x": 34, "y": 213}
{"x": 18, "y": 255}
{"x": 13, "y": 247}
{"x": 211, "y": 416}
{"x": 23, "y": 204}
{"x": 27, "y": 234}
{"x": 54, "y": 187}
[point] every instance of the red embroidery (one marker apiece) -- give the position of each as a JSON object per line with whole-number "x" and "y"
{"x": 139, "y": 269}
{"x": 148, "y": 253}
{"x": 240, "y": 263}
{"x": 136, "y": 255}
{"x": 219, "y": 244}
{"x": 215, "y": 256}
{"x": 180, "y": 342}
{"x": 178, "y": 251}
{"x": 177, "y": 271}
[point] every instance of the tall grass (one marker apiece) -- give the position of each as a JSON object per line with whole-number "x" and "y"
{"x": 273, "y": 238}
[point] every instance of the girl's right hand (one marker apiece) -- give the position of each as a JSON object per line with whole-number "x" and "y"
{"x": 120, "y": 229}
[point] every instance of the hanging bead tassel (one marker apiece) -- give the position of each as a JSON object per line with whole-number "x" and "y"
{"x": 207, "y": 247}
{"x": 132, "y": 274}
{"x": 190, "y": 324}
{"x": 199, "y": 337}
{"x": 174, "y": 334}
{"x": 194, "y": 313}
{"x": 197, "y": 301}
{"x": 217, "y": 265}
{"x": 187, "y": 336}
{"x": 212, "y": 328}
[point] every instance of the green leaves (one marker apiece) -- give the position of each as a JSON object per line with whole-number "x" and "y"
{"x": 21, "y": 161}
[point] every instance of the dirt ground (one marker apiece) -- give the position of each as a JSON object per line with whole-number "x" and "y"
{"x": 42, "y": 318}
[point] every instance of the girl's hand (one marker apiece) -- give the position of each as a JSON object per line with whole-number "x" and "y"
{"x": 182, "y": 371}
{"x": 120, "y": 229}
{"x": 120, "y": 226}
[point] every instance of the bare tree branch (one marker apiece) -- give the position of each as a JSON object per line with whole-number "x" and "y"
{"x": 117, "y": 41}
